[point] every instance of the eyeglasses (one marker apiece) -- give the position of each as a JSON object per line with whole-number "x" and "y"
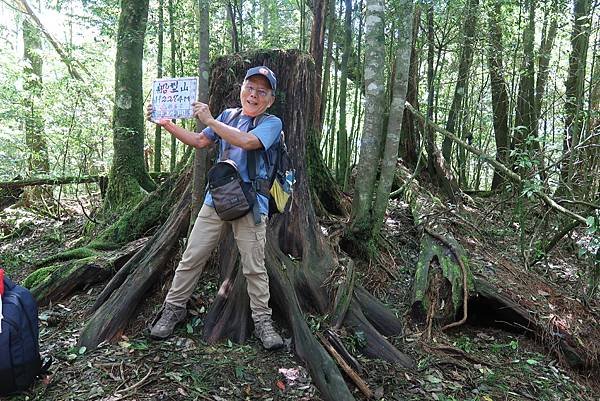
{"x": 259, "y": 92}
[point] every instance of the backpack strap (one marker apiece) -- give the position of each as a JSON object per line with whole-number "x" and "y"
{"x": 232, "y": 117}
{"x": 251, "y": 157}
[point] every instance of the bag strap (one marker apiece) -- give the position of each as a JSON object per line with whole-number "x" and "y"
{"x": 251, "y": 164}
{"x": 235, "y": 115}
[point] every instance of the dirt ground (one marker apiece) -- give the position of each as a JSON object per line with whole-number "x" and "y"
{"x": 469, "y": 363}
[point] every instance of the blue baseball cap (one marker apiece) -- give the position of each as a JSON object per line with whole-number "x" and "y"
{"x": 264, "y": 71}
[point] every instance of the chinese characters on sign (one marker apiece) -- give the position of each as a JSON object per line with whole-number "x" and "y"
{"x": 173, "y": 97}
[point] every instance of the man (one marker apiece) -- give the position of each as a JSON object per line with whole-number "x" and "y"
{"x": 257, "y": 94}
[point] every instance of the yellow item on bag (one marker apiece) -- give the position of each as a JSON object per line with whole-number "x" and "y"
{"x": 279, "y": 196}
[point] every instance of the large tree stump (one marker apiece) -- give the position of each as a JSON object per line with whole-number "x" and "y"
{"x": 297, "y": 257}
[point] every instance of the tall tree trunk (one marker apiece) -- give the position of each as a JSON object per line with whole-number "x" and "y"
{"x": 128, "y": 175}
{"x": 499, "y": 92}
{"x": 525, "y": 126}
{"x": 343, "y": 151}
{"x": 238, "y": 7}
{"x": 430, "y": 135}
{"x": 173, "y": 161}
{"x": 317, "y": 43}
{"x": 544, "y": 54}
{"x": 201, "y": 158}
{"x": 302, "y": 27}
{"x": 265, "y": 23}
{"x": 574, "y": 88}
{"x": 332, "y": 121}
{"x": 235, "y": 45}
{"x": 400, "y": 84}
{"x": 592, "y": 155}
{"x": 34, "y": 121}
{"x": 159, "y": 69}
{"x": 361, "y": 224}
{"x": 466, "y": 58}
{"x": 410, "y": 138}
{"x": 331, "y": 28}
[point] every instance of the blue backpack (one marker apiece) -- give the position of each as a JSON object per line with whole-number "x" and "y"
{"x": 20, "y": 360}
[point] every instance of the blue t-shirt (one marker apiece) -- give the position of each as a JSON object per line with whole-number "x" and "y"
{"x": 267, "y": 132}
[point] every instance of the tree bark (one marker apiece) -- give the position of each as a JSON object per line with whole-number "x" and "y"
{"x": 525, "y": 126}
{"x": 128, "y": 175}
{"x": 173, "y": 161}
{"x": 572, "y": 180}
{"x": 34, "y": 122}
{"x": 201, "y": 155}
{"x": 466, "y": 58}
{"x": 400, "y": 84}
{"x": 159, "y": 68}
{"x": 544, "y": 54}
{"x": 343, "y": 151}
{"x": 500, "y": 101}
{"x": 331, "y": 29}
{"x": 235, "y": 44}
{"x": 409, "y": 136}
{"x": 370, "y": 146}
{"x": 317, "y": 43}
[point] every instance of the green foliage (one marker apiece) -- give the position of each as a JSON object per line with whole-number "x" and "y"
{"x": 76, "y": 121}
{"x": 355, "y": 342}
{"x": 464, "y": 343}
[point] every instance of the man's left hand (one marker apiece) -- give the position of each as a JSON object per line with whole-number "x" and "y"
{"x": 202, "y": 112}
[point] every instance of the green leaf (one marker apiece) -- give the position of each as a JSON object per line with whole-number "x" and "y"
{"x": 433, "y": 379}
{"x": 82, "y": 350}
{"x": 590, "y": 221}
{"x": 532, "y": 362}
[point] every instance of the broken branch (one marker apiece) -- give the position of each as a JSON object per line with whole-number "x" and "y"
{"x": 496, "y": 164}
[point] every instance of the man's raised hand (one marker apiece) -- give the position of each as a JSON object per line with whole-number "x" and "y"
{"x": 149, "y": 110}
{"x": 202, "y": 112}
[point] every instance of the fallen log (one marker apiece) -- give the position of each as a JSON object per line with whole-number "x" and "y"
{"x": 54, "y": 283}
{"x": 84, "y": 179}
{"x": 502, "y": 293}
{"x": 556, "y": 332}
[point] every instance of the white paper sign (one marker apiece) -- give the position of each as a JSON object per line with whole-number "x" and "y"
{"x": 173, "y": 97}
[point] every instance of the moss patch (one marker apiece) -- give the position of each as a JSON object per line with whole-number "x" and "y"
{"x": 39, "y": 276}
{"x": 71, "y": 254}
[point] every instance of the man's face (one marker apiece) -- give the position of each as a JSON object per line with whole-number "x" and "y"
{"x": 256, "y": 95}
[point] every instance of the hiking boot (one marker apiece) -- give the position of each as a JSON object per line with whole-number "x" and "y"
{"x": 170, "y": 315}
{"x": 263, "y": 329}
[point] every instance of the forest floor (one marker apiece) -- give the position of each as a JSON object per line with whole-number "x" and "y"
{"x": 493, "y": 364}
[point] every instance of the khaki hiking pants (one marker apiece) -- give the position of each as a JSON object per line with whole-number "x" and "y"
{"x": 250, "y": 239}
